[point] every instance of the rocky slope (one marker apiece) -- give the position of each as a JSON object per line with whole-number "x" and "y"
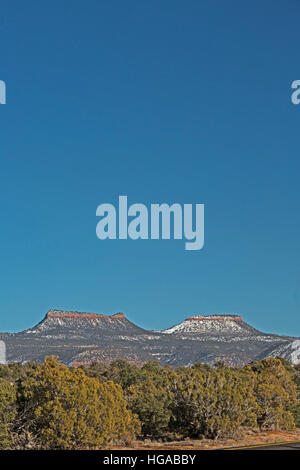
{"x": 84, "y": 337}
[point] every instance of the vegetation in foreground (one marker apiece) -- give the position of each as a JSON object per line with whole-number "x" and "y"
{"x": 51, "y": 406}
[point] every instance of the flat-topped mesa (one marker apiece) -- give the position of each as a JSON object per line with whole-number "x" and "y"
{"x": 62, "y": 314}
{"x": 60, "y": 323}
{"x": 205, "y": 324}
{"x": 214, "y": 318}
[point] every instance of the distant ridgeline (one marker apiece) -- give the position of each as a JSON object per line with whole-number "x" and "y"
{"x": 82, "y": 338}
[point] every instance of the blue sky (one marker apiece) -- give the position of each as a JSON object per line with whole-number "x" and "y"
{"x": 169, "y": 101}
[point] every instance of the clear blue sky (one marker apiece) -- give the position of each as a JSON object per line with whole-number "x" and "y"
{"x": 163, "y": 101}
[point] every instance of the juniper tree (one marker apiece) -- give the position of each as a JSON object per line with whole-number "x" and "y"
{"x": 65, "y": 409}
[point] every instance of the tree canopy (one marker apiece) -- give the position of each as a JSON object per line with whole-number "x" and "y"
{"x": 52, "y": 406}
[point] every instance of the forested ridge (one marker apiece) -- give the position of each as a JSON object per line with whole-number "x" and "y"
{"x": 51, "y": 406}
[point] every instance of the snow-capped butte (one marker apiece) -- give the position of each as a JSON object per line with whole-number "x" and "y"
{"x": 208, "y": 323}
{"x": 58, "y": 321}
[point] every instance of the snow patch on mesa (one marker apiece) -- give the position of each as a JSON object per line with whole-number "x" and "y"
{"x": 295, "y": 354}
{"x": 196, "y": 324}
